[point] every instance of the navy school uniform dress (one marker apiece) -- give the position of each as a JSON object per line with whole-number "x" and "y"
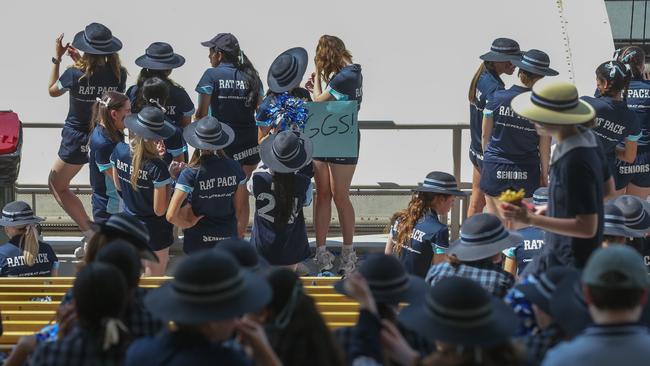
{"x": 105, "y": 198}
{"x": 288, "y": 245}
{"x": 511, "y": 159}
{"x": 12, "y": 261}
{"x": 153, "y": 174}
{"x": 529, "y": 248}
{"x": 346, "y": 85}
{"x": 638, "y": 173}
{"x": 615, "y": 123}
{"x": 211, "y": 191}
{"x": 178, "y": 105}
{"x": 487, "y": 84}
{"x": 228, "y": 92}
{"x": 429, "y": 237}
{"x": 83, "y": 93}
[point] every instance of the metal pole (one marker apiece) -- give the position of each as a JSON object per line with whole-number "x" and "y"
{"x": 456, "y": 152}
{"x": 645, "y": 16}
{"x": 631, "y": 21}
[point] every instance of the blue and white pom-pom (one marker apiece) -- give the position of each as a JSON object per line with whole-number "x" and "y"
{"x": 283, "y": 112}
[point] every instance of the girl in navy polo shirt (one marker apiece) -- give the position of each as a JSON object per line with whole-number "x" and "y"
{"x": 108, "y": 121}
{"x": 485, "y": 82}
{"x": 617, "y": 126}
{"x": 142, "y": 176}
{"x": 279, "y": 231}
{"x": 158, "y": 61}
{"x": 97, "y": 71}
{"x": 515, "y": 156}
{"x": 214, "y": 186}
{"x": 24, "y": 255}
{"x": 634, "y": 178}
{"x": 418, "y": 237}
{"x": 333, "y": 176}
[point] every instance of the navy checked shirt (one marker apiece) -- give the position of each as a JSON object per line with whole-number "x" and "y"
{"x": 538, "y": 343}
{"x": 77, "y": 348}
{"x": 489, "y": 275}
{"x": 138, "y": 319}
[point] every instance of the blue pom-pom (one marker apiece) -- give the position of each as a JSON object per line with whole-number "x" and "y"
{"x": 285, "y": 112}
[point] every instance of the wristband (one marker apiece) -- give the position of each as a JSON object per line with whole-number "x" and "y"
{"x": 56, "y": 61}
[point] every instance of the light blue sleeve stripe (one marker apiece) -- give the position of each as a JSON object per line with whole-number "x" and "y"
{"x": 60, "y": 86}
{"x": 207, "y": 89}
{"x": 177, "y": 152}
{"x": 440, "y": 250}
{"x": 262, "y": 123}
{"x": 488, "y": 113}
{"x": 162, "y": 183}
{"x": 243, "y": 181}
{"x": 634, "y": 137}
{"x": 189, "y": 113}
{"x": 184, "y": 188}
{"x": 510, "y": 252}
{"x": 309, "y": 195}
{"x": 104, "y": 167}
{"x": 336, "y": 94}
{"x": 55, "y": 265}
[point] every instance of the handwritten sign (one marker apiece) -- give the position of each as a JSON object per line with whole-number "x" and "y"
{"x": 333, "y": 128}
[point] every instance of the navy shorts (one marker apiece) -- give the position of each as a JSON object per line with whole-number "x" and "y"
{"x": 100, "y": 216}
{"x": 206, "y": 234}
{"x": 244, "y": 149}
{"x": 497, "y": 177}
{"x": 476, "y": 159}
{"x": 161, "y": 232}
{"x": 637, "y": 173}
{"x": 74, "y": 146}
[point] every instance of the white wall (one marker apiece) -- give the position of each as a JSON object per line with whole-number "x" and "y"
{"x": 417, "y": 58}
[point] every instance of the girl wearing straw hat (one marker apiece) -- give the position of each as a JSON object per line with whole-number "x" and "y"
{"x": 279, "y": 231}
{"x": 514, "y": 155}
{"x": 158, "y": 61}
{"x": 24, "y": 255}
{"x": 579, "y": 176}
{"x": 108, "y": 127}
{"x": 486, "y": 80}
{"x": 214, "y": 186}
{"x": 142, "y": 177}
{"x": 97, "y": 71}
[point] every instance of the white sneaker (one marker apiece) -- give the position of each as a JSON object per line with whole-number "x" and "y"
{"x": 348, "y": 262}
{"x": 324, "y": 259}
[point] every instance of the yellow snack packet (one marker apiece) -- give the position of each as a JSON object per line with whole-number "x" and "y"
{"x": 511, "y": 196}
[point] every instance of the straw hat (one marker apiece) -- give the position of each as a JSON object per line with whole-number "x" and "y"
{"x": 555, "y": 103}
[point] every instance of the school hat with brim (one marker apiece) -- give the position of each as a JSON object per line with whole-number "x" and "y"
{"x": 440, "y": 182}
{"x": 554, "y": 103}
{"x": 287, "y": 70}
{"x": 568, "y": 307}
{"x": 18, "y": 213}
{"x": 502, "y": 50}
{"x": 208, "y": 286}
{"x": 542, "y": 289}
{"x": 286, "y": 151}
{"x": 244, "y": 252}
{"x": 96, "y": 39}
{"x": 540, "y": 196}
{"x": 131, "y": 229}
{"x": 149, "y": 123}
{"x": 636, "y": 213}
{"x": 388, "y": 281}
{"x": 459, "y": 311}
{"x": 614, "y": 223}
{"x": 482, "y": 236}
{"x": 209, "y": 134}
{"x": 160, "y": 56}
{"x": 535, "y": 61}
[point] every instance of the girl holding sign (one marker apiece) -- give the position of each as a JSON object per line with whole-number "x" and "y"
{"x": 333, "y": 176}
{"x": 97, "y": 71}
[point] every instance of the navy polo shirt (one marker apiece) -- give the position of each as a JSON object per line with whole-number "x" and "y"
{"x": 530, "y": 246}
{"x": 178, "y": 104}
{"x": 347, "y": 84}
{"x": 514, "y": 139}
{"x": 615, "y": 123}
{"x": 211, "y": 191}
{"x": 289, "y": 245}
{"x": 12, "y": 261}
{"x": 105, "y": 197}
{"x": 577, "y": 173}
{"x": 84, "y": 92}
{"x": 487, "y": 84}
{"x": 429, "y": 236}
{"x": 229, "y": 90}
{"x": 638, "y": 100}
{"x": 153, "y": 174}
{"x": 175, "y": 145}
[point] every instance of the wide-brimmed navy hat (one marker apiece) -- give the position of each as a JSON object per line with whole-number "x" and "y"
{"x": 482, "y": 236}
{"x": 388, "y": 281}
{"x": 540, "y": 196}
{"x": 286, "y": 151}
{"x": 459, "y": 311}
{"x": 160, "y": 56}
{"x": 208, "y": 286}
{"x": 535, "y": 61}
{"x": 541, "y": 290}
{"x": 96, "y": 39}
{"x": 287, "y": 70}
{"x": 244, "y": 252}
{"x": 636, "y": 212}
{"x": 225, "y": 42}
{"x": 614, "y": 223}
{"x": 131, "y": 229}
{"x": 209, "y": 134}
{"x": 502, "y": 50}
{"x": 149, "y": 123}
{"x": 440, "y": 182}
{"x": 18, "y": 213}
